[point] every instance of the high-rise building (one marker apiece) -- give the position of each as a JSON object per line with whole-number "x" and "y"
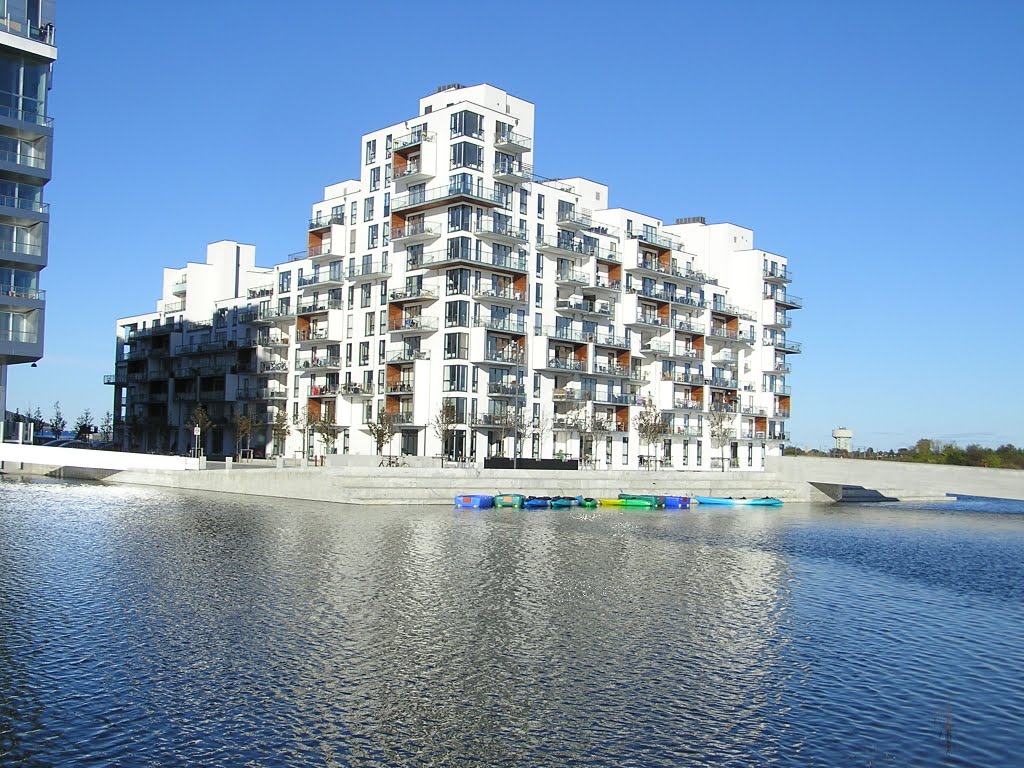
{"x": 483, "y": 309}
{"x": 27, "y": 54}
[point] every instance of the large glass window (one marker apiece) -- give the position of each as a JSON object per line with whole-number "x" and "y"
{"x": 455, "y": 378}
{"x": 467, "y": 155}
{"x": 457, "y": 281}
{"x": 456, "y": 346}
{"x": 456, "y": 314}
{"x": 460, "y": 218}
{"x": 467, "y": 123}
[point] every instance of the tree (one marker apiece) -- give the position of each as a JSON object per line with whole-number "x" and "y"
{"x": 507, "y": 422}
{"x": 593, "y": 426}
{"x": 382, "y": 430}
{"x": 327, "y": 430}
{"x": 245, "y": 425}
{"x": 540, "y": 428}
{"x": 280, "y": 430}
{"x": 57, "y": 422}
{"x": 199, "y": 418}
{"x": 83, "y": 425}
{"x": 107, "y": 426}
{"x": 650, "y": 425}
{"x": 444, "y": 424}
{"x": 720, "y": 429}
{"x": 305, "y": 422}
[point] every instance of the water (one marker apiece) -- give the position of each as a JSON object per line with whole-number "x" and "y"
{"x": 147, "y": 628}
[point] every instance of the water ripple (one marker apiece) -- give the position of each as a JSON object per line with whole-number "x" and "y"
{"x": 143, "y": 627}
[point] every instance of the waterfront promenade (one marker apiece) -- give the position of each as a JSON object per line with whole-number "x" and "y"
{"x": 795, "y": 479}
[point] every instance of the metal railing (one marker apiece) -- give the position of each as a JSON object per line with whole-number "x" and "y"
{"x": 453, "y": 189}
{"x": 413, "y": 324}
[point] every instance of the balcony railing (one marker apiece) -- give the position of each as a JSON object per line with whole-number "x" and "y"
{"x": 399, "y": 388}
{"x": 356, "y": 390}
{"x": 320, "y": 334}
{"x": 372, "y": 268}
{"x": 609, "y": 340}
{"x": 501, "y": 231}
{"x": 260, "y": 291}
{"x": 505, "y": 295}
{"x": 413, "y": 324}
{"x": 584, "y": 305}
{"x": 566, "y": 364}
{"x": 573, "y": 276}
{"x": 411, "y": 140}
{"x": 507, "y": 390}
{"x": 723, "y": 383}
{"x": 784, "y": 298}
{"x": 515, "y": 263}
{"x": 510, "y": 140}
{"x": 684, "y": 378}
{"x": 652, "y": 265}
{"x": 419, "y": 231}
{"x": 412, "y": 294}
{"x": 660, "y": 241}
{"x": 22, "y": 293}
{"x": 320, "y": 306}
{"x": 611, "y": 369}
{"x": 439, "y": 194}
{"x": 501, "y": 324}
{"x": 779, "y": 389}
{"x": 785, "y": 345}
{"x": 575, "y": 219}
{"x": 318, "y": 362}
{"x": 407, "y": 355}
{"x": 322, "y": 222}
{"x": 721, "y": 308}
{"x": 332, "y": 276}
{"x": 778, "y": 274}
{"x": 513, "y": 171}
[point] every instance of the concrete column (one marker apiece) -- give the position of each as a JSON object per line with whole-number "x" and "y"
{"x": 228, "y": 461}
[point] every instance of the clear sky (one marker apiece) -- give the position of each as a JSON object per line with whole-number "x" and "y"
{"x": 878, "y": 145}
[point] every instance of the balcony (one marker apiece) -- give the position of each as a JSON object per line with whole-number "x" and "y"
{"x": 326, "y": 221}
{"x": 397, "y": 356}
{"x": 650, "y": 266}
{"x": 272, "y": 340}
{"x": 502, "y": 389}
{"x": 780, "y": 368}
{"x": 413, "y": 325}
{"x": 120, "y": 379}
{"x": 260, "y": 291}
{"x": 23, "y": 210}
{"x": 779, "y": 321}
{"x": 450, "y": 193}
{"x": 575, "y": 220}
{"x": 655, "y": 348}
{"x": 323, "y": 305}
{"x": 503, "y": 325}
{"x": 368, "y": 270}
{"x": 180, "y": 287}
{"x": 419, "y": 232}
{"x": 405, "y": 419}
{"x": 504, "y": 356}
{"x": 568, "y": 334}
{"x": 606, "y": 287}
{"x": 684, "y": 404}
{"x": 411, "y": 296}
{"x": 565, "y": 364}
{"x": 356, "y": 390}
{"x": 330, "y": 279}
{"x": 724, "y": 407}
{"x": 783, "y": 345}
{"x": 399, "y": 387}
{"x": 781, "y": 413}
{"x": 613, "y": 398}
{"x": 501, "y": 296}
{"x": 314, "y": 336}
{"x": 410, "y": 140}
{"x": 779, "y": 389}
{"x": 513, "y": 173}
{"x": 658, "y": 241}
{"x": 173, "y": 306}
{"x": 609, "y": 340}
{"x": 490, "y": 229}
{"x": 412, "y": 172}
{"x": 638, "y": 375}
{"x": 272, "y": 393}
{"x": 785, "y": 300}
{"x": 778, "y": 275}
{"x": 688, "y": 353}
{"x": 689, "y": 301}
{"x": 720, "y": 383}
{"x": 314, "y": 365}
{"x": 509, "y": 141}
{"x": 439, "y": 259}
{"x": 730, "y": 310}
{"x": 647, "y": 320}
{"x": 691, "y": 378}
{"x": 323, "y": 251}
{"x": 268, "y": 315}
{"x": 275, "y": 367}
{"x": 584, "y": 306}
{"x": 691, "y": 275}
{"x": 322, "y": 390}
{"x": 572, "y": 278}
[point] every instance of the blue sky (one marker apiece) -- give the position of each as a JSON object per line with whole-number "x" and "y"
{"x": 876, "y": 144}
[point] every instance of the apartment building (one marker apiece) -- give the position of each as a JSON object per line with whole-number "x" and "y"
{"x": 27, "y": 53}
{"x": 487, "y": 311}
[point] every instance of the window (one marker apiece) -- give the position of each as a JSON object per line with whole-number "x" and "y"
{"x": 456, "y": 346}
{"x": 381, "y": 354}
{"x": 383, "y": 321}
{"x": 352, "y": 240}
{"x": 284, "y": 282}
{"x": 387, "y": 147}
{"x": 460, "y": 218}
{"x": 540, "y": 206}
{"x": 371, "y": 151}
{"x": 456, "y": 314}
{"x": 538, "y": 299}
{"x": 460, "y": 248}
{"x": 368, "y": 209}
{"x": 503, "y": 194}
{"x": 387, "y": 176}
{"x": 467, "y": 155}
{"x": 457, "y": 281}
{"x": 364, "y": 294}
{"x": 387, "y": 203}
{"x": 373, "y": 236}
{"x": 375, "y": 179}
{"x": 386, "y": 233}
{"x": 364, "y": 353}
{"x": 454, "y": 378}
{"x": 524, "y": 199}
{"x": 338, "y": 214}
{"x": 354, "y": 211}
{"x": 383, "y": 292}
{"x": 467, "y": 123}
{"x": 348, "y": 354}
{"x": 368, "y": 323}
{"x": 351, "y": 300}
{"x": 413, "y": 256}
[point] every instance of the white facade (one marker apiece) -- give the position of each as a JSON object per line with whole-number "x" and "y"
{"x": 548, "y": 322}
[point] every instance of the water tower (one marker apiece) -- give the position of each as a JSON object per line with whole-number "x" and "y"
{"x": 843, "y": 438}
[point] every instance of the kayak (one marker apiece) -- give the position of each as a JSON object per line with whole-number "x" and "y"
{"x": 589, "y": 503}
{"x": 474, "y": 501}
{"x": 564, "y": 502}
{"x": 611, "y": 502}
{"x": 677, "y": 502}
{"x": 656, "y": 501}
{"x": 509, "y": 500}
{"x": 537, "y": 502}
{"x": 764, "y": 501}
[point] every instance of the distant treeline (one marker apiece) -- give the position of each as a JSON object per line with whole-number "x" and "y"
{"x": 933, "y": 452}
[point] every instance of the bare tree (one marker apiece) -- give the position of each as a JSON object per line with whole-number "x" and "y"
{"x": 720, "y": 429}
{"x": 306, "y": 421}
{"x": 57, "y": 422}
{"x": 382, "y": 430}
{"x": 280, "y": 430}
{"x": 327, "y": 430}
{"x": 444, "y": 424}
{"x": 244, "y": 427}
{"x": 650, "y": 425}
{"x": 595, "y": 427}
{"x": 540, "y": 428}
{"x": 508, "y": 422}
{"x": 198, "y": 418}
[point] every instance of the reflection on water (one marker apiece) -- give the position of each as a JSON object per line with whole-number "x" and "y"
{"x": 156, "y": 628}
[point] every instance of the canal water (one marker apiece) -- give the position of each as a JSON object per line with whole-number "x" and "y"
{"x": 155, "y": 628}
